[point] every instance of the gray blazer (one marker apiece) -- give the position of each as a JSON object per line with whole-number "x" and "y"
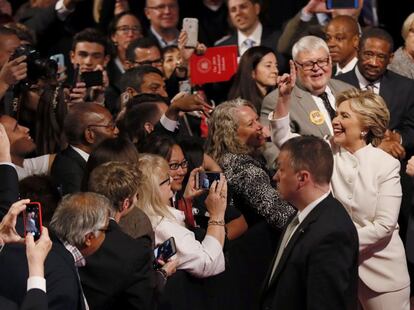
{"x": 301, "y": 106}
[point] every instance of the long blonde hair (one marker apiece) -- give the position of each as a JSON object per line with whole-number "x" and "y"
{"x": 153, "y": 169}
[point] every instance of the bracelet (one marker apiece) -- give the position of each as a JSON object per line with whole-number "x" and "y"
{"x": 163, "y": 273}
{"x": 218, "y": 223}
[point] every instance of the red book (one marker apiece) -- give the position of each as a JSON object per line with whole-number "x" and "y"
{"x": 218, "y": 64}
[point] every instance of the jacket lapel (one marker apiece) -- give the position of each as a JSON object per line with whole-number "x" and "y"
{"x": 296, "y": 237}
{"x": 308, "y": 105}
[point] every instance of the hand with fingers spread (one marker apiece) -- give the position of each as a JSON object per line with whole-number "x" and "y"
{"x": 391, "y": 144}
{"x": 8, "y": 231}
{"x": 37, "y": 252}
{"x": 316, "y": 6}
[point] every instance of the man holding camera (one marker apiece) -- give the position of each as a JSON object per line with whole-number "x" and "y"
{"x": 11, "y": 71}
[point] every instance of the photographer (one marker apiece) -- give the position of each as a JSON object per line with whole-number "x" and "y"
{"x": 11, "y": 71}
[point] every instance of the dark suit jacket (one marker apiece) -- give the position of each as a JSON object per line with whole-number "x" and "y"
{"x": 113, "y": 91}
{"x": 398, "y": 93}
{"x": 319, "y": 266}
{"x": 120, "y": 274}
{"x": 35, "y": 299}
{"x": 67, "y": 170}
{"x": 62, "y": 283}
{"x": 9, "y": 189}
{"x": 269, "y": 38}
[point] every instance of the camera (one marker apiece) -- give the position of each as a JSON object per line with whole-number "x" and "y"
{"x": 37, "y": 67}
{"x": 33, "y": 220}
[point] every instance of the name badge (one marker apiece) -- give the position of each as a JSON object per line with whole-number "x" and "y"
{"x": 316, "y": 117}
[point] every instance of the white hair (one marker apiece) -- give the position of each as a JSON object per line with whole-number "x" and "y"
{"x": 307, "y": 44}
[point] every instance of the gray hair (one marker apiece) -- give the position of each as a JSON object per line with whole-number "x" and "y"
{"x": 307, "y": 44}
{"x": 79, "y": 214}
{"x": 223, "y": 125}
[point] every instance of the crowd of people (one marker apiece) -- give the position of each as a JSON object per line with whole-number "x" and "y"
{"x": 309, "y": 146}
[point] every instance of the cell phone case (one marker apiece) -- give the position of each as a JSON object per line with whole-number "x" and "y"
{"x": 190, "y": 26}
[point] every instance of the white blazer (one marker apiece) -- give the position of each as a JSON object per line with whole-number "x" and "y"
{"x": 367, "y": 183}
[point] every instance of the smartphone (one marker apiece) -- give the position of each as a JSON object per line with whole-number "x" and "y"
{"x": 32, "y": 218}
{"x": 92, "y": 78}
{"x": 166, "y": 250}
{"x": 184, "y": 86}
{"x": 190, "y": 26}
{"x": 342, "y": 4}
{"x": 205, "y": 179}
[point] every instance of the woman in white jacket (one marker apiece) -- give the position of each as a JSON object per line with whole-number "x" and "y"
{"x": 366, "y": 181}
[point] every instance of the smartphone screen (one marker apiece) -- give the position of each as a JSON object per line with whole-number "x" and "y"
{"x": 165, "y": 250}
{"x": 33, "y": 219}
{"x": 205, "y": 179}
{"x": 341, "y": 4}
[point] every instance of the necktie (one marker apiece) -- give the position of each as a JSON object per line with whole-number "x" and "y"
{"x": 370, "y": 87}
{"x": 327, "y": 104}
{"x": 249, "y": 43}
{"x": 286, "y": 237}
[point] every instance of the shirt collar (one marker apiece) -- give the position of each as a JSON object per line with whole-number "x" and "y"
{"x": 77, "y": 255}
{"x": 161, "y": 40}
{"x": 82, "y": 153}
{"x": 304, "y": 213}
{"x": 363, "y": 82}
{"x": 255, "y": 36}
{"x": 348, "y": 67}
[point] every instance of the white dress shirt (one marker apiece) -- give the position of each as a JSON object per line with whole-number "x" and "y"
{"x": 256, "y": 36}
{"x": 364, "y": 83}
{"x": 348, "y": 67}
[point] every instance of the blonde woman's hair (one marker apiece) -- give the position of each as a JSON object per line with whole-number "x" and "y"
{"x": 372, "y": 112}
{"x": 153, "y": 168}
{"x": 408, "y": 23}
{"x": 222, "y": 134}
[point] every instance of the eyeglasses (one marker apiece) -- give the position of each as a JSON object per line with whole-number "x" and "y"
{"x": 111, "y": 125}
{"x": 175, "y": 166}
{"x": 163, "y": 7}
{"x": 150, "y": 62}
{"x": 126, "y": 29}
{"x": 309, "y": 65}
{"x": 166, "y": 181}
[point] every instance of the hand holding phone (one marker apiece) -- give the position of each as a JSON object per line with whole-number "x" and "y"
{"x": 190, "y": 26}
{"x": 165, "y": 251}
{"x": 32, "y": 218}
{"x": 204, "y": 179}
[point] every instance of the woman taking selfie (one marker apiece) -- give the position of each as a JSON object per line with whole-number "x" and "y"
{"x": 200, "y": 259}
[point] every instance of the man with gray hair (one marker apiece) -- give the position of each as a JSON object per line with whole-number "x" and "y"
{"x": 313, "y": 97}
{"x": 80, "y": 223}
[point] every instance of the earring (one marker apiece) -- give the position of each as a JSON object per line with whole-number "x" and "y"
{"x": 363, "y": 134}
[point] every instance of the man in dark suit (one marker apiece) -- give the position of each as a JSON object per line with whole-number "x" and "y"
{"x": 244, "y": 15}
{"x": 374, "y": 54}
{"x": 316, "y": 264}
{"x": 120, "y": 274}
{"x": 85, "y": 126}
